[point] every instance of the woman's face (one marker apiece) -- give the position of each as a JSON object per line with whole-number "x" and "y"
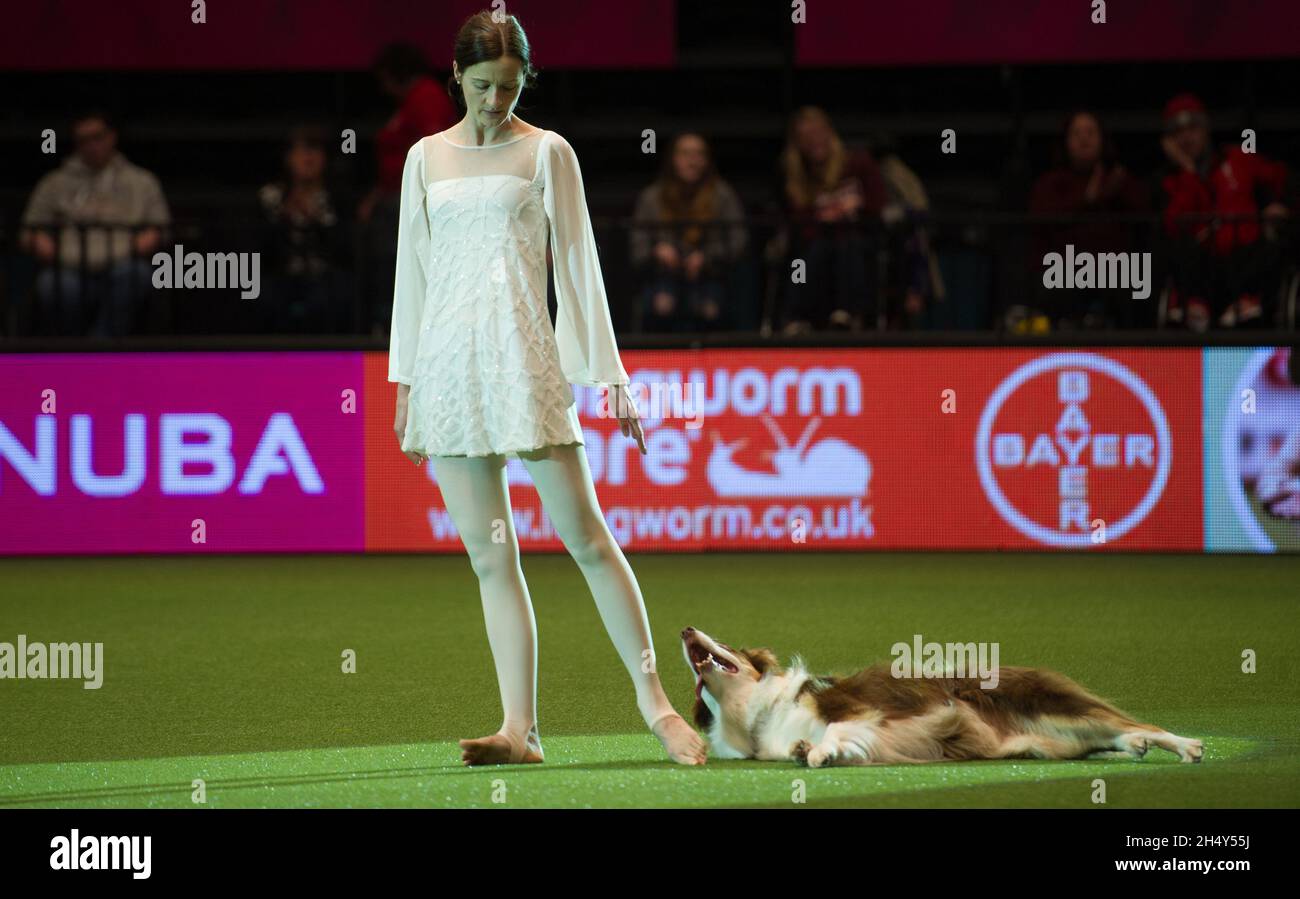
{"x": 491, "y": 89}
{"x": 391, "y": 86}
{"x": 1192, "y": 140}
{"x": 690, "y": 159}
{"x": 813, "y": 139}
{"x": 1083, "y": 141}
{"x": 306, "y": 163}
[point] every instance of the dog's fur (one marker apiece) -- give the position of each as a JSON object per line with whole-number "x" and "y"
{"x": 750, "y": 707}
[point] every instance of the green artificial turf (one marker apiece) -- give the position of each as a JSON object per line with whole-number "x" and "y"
{"x": 228, "y": 669}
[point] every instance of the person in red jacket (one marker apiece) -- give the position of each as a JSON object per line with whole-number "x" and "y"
{"x": 1218, "y": 210}
{"x": 423, "y": 107}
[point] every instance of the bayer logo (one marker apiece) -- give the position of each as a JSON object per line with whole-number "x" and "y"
{"x": 1070, "y": 441}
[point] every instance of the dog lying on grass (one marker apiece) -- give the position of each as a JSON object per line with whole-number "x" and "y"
{"x": 750, "y": 707}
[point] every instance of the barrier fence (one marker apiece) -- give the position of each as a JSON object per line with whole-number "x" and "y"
{"x": 966, "y": 270}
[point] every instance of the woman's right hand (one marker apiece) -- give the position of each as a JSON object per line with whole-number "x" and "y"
{"x": 366, "y": 205}
{"x": 44, "y": 247}
{"x": 666, "y": 253}
{"x": 1093, "y": 190}
{"x": 399, "y": 422}
{"x": 1176, "y": 155}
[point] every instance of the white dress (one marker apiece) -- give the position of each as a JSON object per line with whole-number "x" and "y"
{"x": 471, "y": 333}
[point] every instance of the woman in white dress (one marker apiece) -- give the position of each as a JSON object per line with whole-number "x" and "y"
{"x": 482, "y": 375}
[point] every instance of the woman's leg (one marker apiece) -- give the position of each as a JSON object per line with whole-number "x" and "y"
{"x": 563, "y": 481}
{"x": 478, "y": 501}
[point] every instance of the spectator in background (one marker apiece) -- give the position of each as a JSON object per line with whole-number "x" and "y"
{"x": 1220, "y": 211}
{"x": 1086, "y": 181}
{"x": 828, "y": 189}
{"x": 423, "y": 108}
{"x": 305, "y": 247}
{"x": 914, "y": 282}
{"x": 687, "y": 233}
{"x": 96, "y": 186}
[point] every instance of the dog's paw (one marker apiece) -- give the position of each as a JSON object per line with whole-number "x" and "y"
{"x": 1133, "y": 745}
{"x": 799, "y": 751}
{"x": 818, "y": 758}
{"x": 1191, "y": 751}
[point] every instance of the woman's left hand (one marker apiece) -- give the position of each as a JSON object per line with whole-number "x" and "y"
{"x": 629, "y": 420}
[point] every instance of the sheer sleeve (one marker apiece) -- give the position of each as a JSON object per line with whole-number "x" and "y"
{"x": 584, "y": 331}
{"x": 410, "y": 277}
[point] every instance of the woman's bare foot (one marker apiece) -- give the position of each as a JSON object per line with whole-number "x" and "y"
{"x": 683, "y": 745}
{"x": 499, "y": 749}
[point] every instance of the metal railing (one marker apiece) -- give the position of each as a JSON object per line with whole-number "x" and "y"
{"x": 987, "y": 262}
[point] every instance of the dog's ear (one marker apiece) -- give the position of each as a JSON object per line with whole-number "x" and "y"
{"x": 703, "y": 717}
{"x": 762, "y": 659}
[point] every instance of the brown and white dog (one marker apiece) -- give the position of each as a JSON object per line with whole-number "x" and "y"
{"x": 751, "y": 708}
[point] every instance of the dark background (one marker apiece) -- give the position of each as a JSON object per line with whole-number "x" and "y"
{"x": 207, "y": 108}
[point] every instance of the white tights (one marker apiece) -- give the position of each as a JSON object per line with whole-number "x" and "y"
{"x": 475, "y": 492}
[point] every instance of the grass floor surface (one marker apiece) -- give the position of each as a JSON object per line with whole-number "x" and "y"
{"x": 228, "y": 669}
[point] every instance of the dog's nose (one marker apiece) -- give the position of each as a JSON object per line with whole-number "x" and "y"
{"x": 687, "y": 631}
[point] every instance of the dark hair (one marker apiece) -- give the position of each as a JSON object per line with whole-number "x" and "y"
{"x": 668, "y": 171}
{"x": 308, "y": 136}
{"x": 87, "y": 113}
{"x": 1062, "y": 151}
{"x": 689, "y": 206}
{"x": 482, "y": 38}
{"x": 401, "y": 62}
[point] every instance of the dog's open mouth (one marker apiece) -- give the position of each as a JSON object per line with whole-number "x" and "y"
{"x": 703, "y": 660}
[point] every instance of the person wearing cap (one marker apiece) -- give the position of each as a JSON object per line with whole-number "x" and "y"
{"x": 1223, "y": 260}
